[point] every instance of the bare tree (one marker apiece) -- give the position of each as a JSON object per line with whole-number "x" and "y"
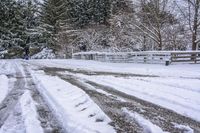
{"x": 154, "y": 17}
{"x": 191, "y": 12}
{"x": 194, "y": 21}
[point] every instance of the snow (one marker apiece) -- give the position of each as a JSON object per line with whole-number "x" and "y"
{"x": 186, "y": 129}
{"x": 14, "y": 122}
{"x": 72, "y": 106}
{"x": 148, "y": 126}
{"x": 44, "y": 54}
{"x": 98, "y": 90}
{"x": 23, "y": 115}
{"x": 176, "y": 87}
{"x": 5, "y": 69}
{"x": 140, "y": 52}
{"x": 2, "y": 53}
{"x": 161, "y": 91}
{"x": 29, "y": 114}
{"x": 176, "y": 70}
{"x": 3, "y": 87}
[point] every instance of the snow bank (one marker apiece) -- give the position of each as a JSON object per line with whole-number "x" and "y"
{"x": 73, "y": 107}
{"x": 44, "y": 54}
{"x": 3, "y": 87}
{"x": 148, "y": 126}
{"x": 29, "y": 114}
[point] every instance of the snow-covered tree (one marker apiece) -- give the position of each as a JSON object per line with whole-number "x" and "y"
{"x": 190, "y": 11}
{"x": 31, "y": 22}
{"x": 19, "y": 22}
{"x": 84, "y": 13}
{"x": 11, "y": 26}
{"x": 123, "y": 33}
{"x": 53, "y": 17}
{"x": 154, "y": 18}
{"x": 100, "y": 11}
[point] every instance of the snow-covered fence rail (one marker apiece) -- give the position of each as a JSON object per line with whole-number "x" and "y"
{"x": 129, "y": 57}
{"x": 141, "y": 57}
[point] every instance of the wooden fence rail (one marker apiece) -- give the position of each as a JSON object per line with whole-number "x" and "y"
{"x": 166, "y": 57}
{"x": 185, "y": 57}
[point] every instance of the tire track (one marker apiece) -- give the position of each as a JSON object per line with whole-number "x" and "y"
{"x": 8, "y": 107}
{"x": 49, "y": 122}
{"x": 162, "y": 117}
{"x": 9, "y": 103}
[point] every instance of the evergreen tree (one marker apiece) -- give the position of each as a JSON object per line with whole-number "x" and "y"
{"x": 11, "y": 24}
{"x": 101, "y": 11}
{"x": 30, "y": 20}
{"x": 78, "y": 13}
{"x": 33, "y": 25}
{"x": 85, "y": 12}
{"x": 53, "y": 18}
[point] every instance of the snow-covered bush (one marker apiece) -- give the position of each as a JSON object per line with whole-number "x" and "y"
{"x": 44, "y": 54}
{"x": 2, "y": 54}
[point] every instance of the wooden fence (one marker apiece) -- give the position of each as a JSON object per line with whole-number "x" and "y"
{"x": 153, "y": 57}
{"x": 193, "y": 56}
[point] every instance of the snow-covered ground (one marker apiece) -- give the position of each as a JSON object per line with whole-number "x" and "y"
{"x": 5, "y": 70}
{"x": 27, "y": 115}
{"x": 179, "y": 95}
{"x": 3, "y": 87}
{"x": 73, "y": 107}
{"x": 174, "y": 70}
{"x": 175, "y": 87}
{"x": 146, "y": 124}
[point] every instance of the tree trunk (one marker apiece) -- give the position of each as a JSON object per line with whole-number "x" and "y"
{"x": 160, "y": 42}
{"x": 195, "y": 25}
{"x": 144, "y": 47}
{"x": 194, "y": 41}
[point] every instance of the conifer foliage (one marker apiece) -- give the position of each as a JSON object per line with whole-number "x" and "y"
{"x": 11, "y": 24}
{"x": 19, "y": 21}
{"x": 53, "y": 17}
{"x": 85, "y": 12}
{"x": 42, "y": 23}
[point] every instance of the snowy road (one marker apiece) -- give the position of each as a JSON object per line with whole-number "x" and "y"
{"x": 87, "y": 96}
{"x": 23, "y": 110}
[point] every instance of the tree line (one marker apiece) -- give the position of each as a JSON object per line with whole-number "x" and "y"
{"x": 104, "y": 25}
